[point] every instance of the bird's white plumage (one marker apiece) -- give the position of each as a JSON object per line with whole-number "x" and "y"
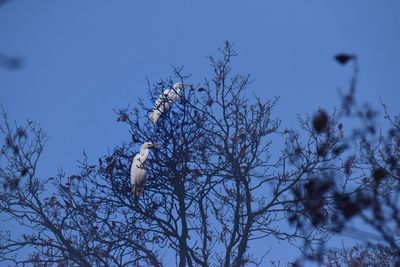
{"x": 164, "y": 102}
{"x": 138, "y": 168}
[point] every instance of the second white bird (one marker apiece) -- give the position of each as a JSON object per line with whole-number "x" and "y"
{"x": 165, "y": 100}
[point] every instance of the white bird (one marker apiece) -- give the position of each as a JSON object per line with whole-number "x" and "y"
{"x": 165, "y": 100}
{"x": 138, "y": 168}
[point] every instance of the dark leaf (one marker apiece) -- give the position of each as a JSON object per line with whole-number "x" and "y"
{"x": 343, "y": 58}
{"x": 320, "y": 121}
{"x": 378, "y": 174}
{"x": 24, "y": 171}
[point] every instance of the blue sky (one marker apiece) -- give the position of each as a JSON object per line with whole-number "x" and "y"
{"x": 85, "y": 58}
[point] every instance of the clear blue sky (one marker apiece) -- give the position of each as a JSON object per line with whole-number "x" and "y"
{"x": 85, "y": 58}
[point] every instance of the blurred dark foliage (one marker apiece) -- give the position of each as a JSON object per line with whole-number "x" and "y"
{"x": 369, "y": 164}
{"x": 2, "y": 2}
{"x": 373, "y": 256}
{"x": 10, "y": 63}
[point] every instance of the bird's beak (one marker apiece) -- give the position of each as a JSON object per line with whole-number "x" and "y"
{"x": 153, "y": 146}
{"x": 187, "y": 84}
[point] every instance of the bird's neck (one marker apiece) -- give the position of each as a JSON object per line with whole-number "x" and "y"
{"x": 144, "y": 153}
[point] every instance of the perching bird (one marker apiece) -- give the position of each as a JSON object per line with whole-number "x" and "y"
{"x": 138, "y": 168}
{"x": 165, "y": 101}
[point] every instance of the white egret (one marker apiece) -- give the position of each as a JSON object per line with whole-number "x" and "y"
{"x": 165, "y": 100}
{"x": 138, "y": 168}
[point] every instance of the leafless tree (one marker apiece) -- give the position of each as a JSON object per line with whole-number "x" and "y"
{"x": 214, "y": 186}
{"x": 216, "y": 183}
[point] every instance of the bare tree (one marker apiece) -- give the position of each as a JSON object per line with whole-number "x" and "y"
{"x": 23, "y": 200}
{"x": 214, "y": 186}
{"x": 215, "y": 183}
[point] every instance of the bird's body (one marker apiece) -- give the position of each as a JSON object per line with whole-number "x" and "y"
{"x": 165, "y": 100}
{"x": 138, "y": 168}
